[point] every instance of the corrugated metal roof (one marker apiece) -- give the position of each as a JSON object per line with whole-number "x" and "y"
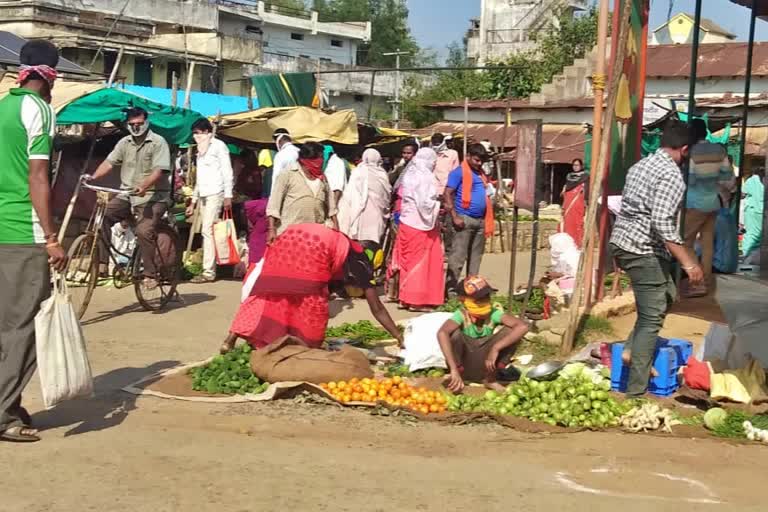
{"x": 561, "y": 143}
{"x": 715, "y": 60}
{"x": 205, "y": 103}
{"x": 518, "y": 104}
{"x": 10, "y": 46}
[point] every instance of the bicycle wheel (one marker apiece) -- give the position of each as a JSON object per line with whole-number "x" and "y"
{"x": 82, "y": 272}
{"x": 168, "y": 265}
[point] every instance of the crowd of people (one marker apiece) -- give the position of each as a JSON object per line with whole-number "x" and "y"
{"x": 317, "y": 227}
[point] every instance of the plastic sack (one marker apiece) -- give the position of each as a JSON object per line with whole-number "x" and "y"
{"x": 726, "y": 256}
{"x": 422, "y": 350}
{"x": 62, "y": 361}
{"x": 225, "y": 240}
{"x": 254, "y": 271}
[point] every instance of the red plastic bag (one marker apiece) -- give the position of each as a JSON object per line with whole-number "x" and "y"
{"x": 696, "y": 374}
{"x": 225, "y": 240}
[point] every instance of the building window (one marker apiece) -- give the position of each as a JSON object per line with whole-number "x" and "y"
{"x": 210, "y": 79}
{"x": 142, "y": 73}
{"x": 297, "y": 37}
{"x": 325, "y": 59}
{"x": 359, "y": 98}
{"x": 173, "y": 67}
{"x": 338, "y": 43}
{"x": 305, "y": 57}
{"x": 253, "y": 30}
{"x": 109, "y": 62}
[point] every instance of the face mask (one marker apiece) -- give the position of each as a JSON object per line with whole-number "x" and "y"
{"x": 200, "y": 137}
{"x": 138, "y": 130}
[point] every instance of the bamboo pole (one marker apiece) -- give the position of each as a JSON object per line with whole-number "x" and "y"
{"x": 598, "y": 86}
{"x": 466, "y": 123}
{"x": 115, "y": 67}
{"x": 174, "y": 89}
{"x": 188, "y": 88}
{"x": 574, "y": 314}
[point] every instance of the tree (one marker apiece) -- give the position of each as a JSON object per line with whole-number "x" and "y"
{"x": 524, "y": 73}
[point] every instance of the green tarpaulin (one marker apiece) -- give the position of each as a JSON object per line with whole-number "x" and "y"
{"x": 285, "y": 90}
{"x": 109, "y": 105}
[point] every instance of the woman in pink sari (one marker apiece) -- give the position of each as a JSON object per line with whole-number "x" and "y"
{"x": 418, "y": 253}
{"x": 290, "y": 296}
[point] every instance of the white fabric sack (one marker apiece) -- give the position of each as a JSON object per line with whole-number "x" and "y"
{"x": 250, "y": 280}
{"x": 422, "y": 350}
{"x": 62, "y": 361}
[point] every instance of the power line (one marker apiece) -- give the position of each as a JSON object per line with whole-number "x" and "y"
{"x": 109, "y": 33}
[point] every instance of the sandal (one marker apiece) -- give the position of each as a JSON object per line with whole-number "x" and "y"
{"x": 19, "y": 434}
{"x": 201, "y": 279}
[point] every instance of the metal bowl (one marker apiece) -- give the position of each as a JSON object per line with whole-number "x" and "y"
{"x": 545, "y": 371}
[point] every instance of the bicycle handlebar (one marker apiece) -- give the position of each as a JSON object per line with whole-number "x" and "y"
{"x": 97, "y": 188}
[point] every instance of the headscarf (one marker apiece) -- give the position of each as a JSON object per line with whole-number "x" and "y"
{"x": 575, "y": 178}
{"x": 265, "y": 158}
{"x": 327, "y": 153}
{"x": 367, "y": 177}
{"x": 419, "y": 186}
{"x": 203, "y": 141}
{"x": 47, "y": 73}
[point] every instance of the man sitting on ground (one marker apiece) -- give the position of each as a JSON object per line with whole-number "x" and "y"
{"x": 473, "y": 347}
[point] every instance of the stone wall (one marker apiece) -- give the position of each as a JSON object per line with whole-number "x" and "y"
{"x": 524, "y": 236}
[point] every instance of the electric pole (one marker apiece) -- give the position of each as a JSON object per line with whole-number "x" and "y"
{"x": 396, "y": 102}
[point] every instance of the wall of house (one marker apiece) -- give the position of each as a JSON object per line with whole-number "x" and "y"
{"x": 196, "y": 14}
{"x": 548, "y": 116}
{"x": 704, "y": 87}
{"x": 318, "y": 46}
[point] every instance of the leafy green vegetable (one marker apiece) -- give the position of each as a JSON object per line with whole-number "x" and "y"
{"x": 402, "y": 370}
{"x": 363, "y": 331}
{"x": 229, "y": 374}
{"x": 733, "y": 425}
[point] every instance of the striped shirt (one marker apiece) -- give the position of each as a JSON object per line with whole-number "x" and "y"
{"x": 27, "y": 123}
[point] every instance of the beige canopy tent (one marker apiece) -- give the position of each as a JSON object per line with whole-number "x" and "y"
{"x": 63, "y": 93}
{"x": 305, "y": 124}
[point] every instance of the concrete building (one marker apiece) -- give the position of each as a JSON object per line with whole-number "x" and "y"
{"x": 507, "y": 26}
{"x": 226, "y": 40}
{"x": 679, "y": 30}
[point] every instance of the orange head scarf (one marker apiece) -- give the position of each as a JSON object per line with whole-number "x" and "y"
{"x": 466, "y": 195}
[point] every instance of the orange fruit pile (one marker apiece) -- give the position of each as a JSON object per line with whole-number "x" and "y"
{"x": 393, "y": 391}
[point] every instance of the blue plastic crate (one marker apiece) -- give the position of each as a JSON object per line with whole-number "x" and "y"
{"x": 665, "y": 362}
{"x": 683, "y": 349}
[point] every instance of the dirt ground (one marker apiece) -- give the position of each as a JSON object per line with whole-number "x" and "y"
{"x": 118, "y": 452}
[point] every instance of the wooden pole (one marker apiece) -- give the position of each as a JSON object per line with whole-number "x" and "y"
{"x": 174, "y": 89}
{"x": 598, "y": 86}
{"x": 250, "y": 96}
{"x": 574, "y": 314}
{"x": 512, "y": 257}
{"x": 115, "y": 67}
{"x": 535, "y": 231}
{"x": 466, "y": 122}
{"x": 188, "y": 88}
{"x": 318, "y": 87}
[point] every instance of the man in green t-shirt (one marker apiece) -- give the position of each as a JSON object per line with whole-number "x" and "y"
{"x": 479, "y": 338}
{"x": 28, "y": 243}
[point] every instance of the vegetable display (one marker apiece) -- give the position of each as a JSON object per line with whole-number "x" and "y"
{"x": 714, "y": 418}
{"x": 578, "y": 399}
{"x": 649, "y": 416}
{"x": 402, "y": 370}
{"x": 363, "y": 331}
{"x": 394, "y": 392}
{"x": 733, "y": 424}
{"x": 229, "y": 374}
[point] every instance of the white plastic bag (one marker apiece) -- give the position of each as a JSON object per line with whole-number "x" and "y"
{"x": 422, "y": 350}
{"x": 62, "y": 361}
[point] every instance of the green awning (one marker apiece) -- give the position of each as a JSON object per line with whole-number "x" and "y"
{"x": 285, "y": 90}
{"x": 109, "y": 105}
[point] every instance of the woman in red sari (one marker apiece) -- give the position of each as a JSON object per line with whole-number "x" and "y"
{"x": 575, "y": 195}
{"x": 418, "y": 254}
{"x": 290, "y": 296}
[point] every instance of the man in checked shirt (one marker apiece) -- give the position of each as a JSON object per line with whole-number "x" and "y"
{"x": 645, "y": 239}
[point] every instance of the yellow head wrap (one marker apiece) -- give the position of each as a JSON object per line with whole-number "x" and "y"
{"x": 478, "y": 309}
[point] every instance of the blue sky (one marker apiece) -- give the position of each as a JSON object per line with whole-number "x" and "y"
{"x": 436, "y": 23}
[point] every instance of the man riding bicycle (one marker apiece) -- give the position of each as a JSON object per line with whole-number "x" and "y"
{"x": 145, "y": 170}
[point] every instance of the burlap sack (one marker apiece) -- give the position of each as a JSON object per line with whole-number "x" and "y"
{"x": 287, "y": 360}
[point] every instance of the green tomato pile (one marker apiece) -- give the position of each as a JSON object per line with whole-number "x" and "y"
{"x": 579, "y": 400}
{"x": 229, "y": 374}
{"x": 402, "y": 370}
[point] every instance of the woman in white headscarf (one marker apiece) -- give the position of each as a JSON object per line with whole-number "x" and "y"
{"x": 418, "y": 254}
{"x": 364, "y": 206}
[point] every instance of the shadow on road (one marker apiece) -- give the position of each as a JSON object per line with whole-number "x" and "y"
{"x": 108, "y": 408}
{"x": 184, "y": 300}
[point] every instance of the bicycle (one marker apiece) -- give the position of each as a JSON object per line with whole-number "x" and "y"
{"x": 86, "y": 259}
